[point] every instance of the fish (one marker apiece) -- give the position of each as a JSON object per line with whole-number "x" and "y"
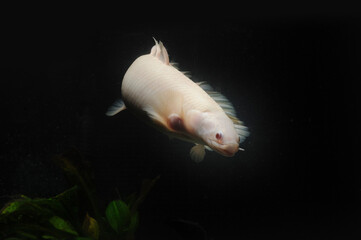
{"x": 156, "y": 91}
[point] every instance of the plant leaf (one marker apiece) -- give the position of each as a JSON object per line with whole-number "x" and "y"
{"x": 134, "y": 220}
{"x": 12, "y": 207}
{"x": 62, "y": 225}
{"x": 26, "y": 235}
{"x": 49, "y": 237}
{"x": 91, "y": 227}
{"x": 118, "y": 215}
{"x": 71, "y": 202}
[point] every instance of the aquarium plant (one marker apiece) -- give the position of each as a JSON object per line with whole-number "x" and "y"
{"x": 73, "y": 214}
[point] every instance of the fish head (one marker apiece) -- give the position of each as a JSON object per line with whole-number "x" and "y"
{"x": 217, "y": 131}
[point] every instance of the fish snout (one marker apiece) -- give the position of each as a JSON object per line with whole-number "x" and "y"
{"x": 230, "y": 149}
{"x": 227, "y": 150}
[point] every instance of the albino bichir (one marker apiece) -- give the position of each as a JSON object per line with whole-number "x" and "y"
{"x": 156, "y": 91}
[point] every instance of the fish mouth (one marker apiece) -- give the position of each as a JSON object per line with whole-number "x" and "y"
{"x": 227, "y": 150}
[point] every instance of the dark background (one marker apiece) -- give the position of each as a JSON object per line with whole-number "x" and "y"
{"x": 292, "y": 80}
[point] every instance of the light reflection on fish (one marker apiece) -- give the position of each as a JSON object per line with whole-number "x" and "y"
{"x": 154, "y": 89}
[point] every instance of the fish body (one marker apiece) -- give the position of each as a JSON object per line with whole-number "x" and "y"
{"x": 167, "y": 99}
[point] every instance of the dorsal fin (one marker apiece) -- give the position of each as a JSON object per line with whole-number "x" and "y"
{"x": 228, "y": 108}
{"x": 159, "y": 51}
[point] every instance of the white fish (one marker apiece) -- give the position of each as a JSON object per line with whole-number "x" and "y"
{"x": 155, "y": 90}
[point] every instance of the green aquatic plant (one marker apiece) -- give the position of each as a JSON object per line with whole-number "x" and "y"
{"x": 73, "y": 214}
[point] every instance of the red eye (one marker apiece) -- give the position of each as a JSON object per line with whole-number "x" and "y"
{"x": 219, "y": 136}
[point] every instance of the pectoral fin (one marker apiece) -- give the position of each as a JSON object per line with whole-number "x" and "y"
{"x": 197, "y": 153}
{"x": 115, "y": 108}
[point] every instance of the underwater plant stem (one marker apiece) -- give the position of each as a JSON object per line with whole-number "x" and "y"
{"x": 90, "y": 197}
{"x": 146, "y": 187}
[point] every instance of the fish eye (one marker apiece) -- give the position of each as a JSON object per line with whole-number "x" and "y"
{"x": 219, "y": 135}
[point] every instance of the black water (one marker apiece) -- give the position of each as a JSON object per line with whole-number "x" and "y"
{"x": 291, "y": 79}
